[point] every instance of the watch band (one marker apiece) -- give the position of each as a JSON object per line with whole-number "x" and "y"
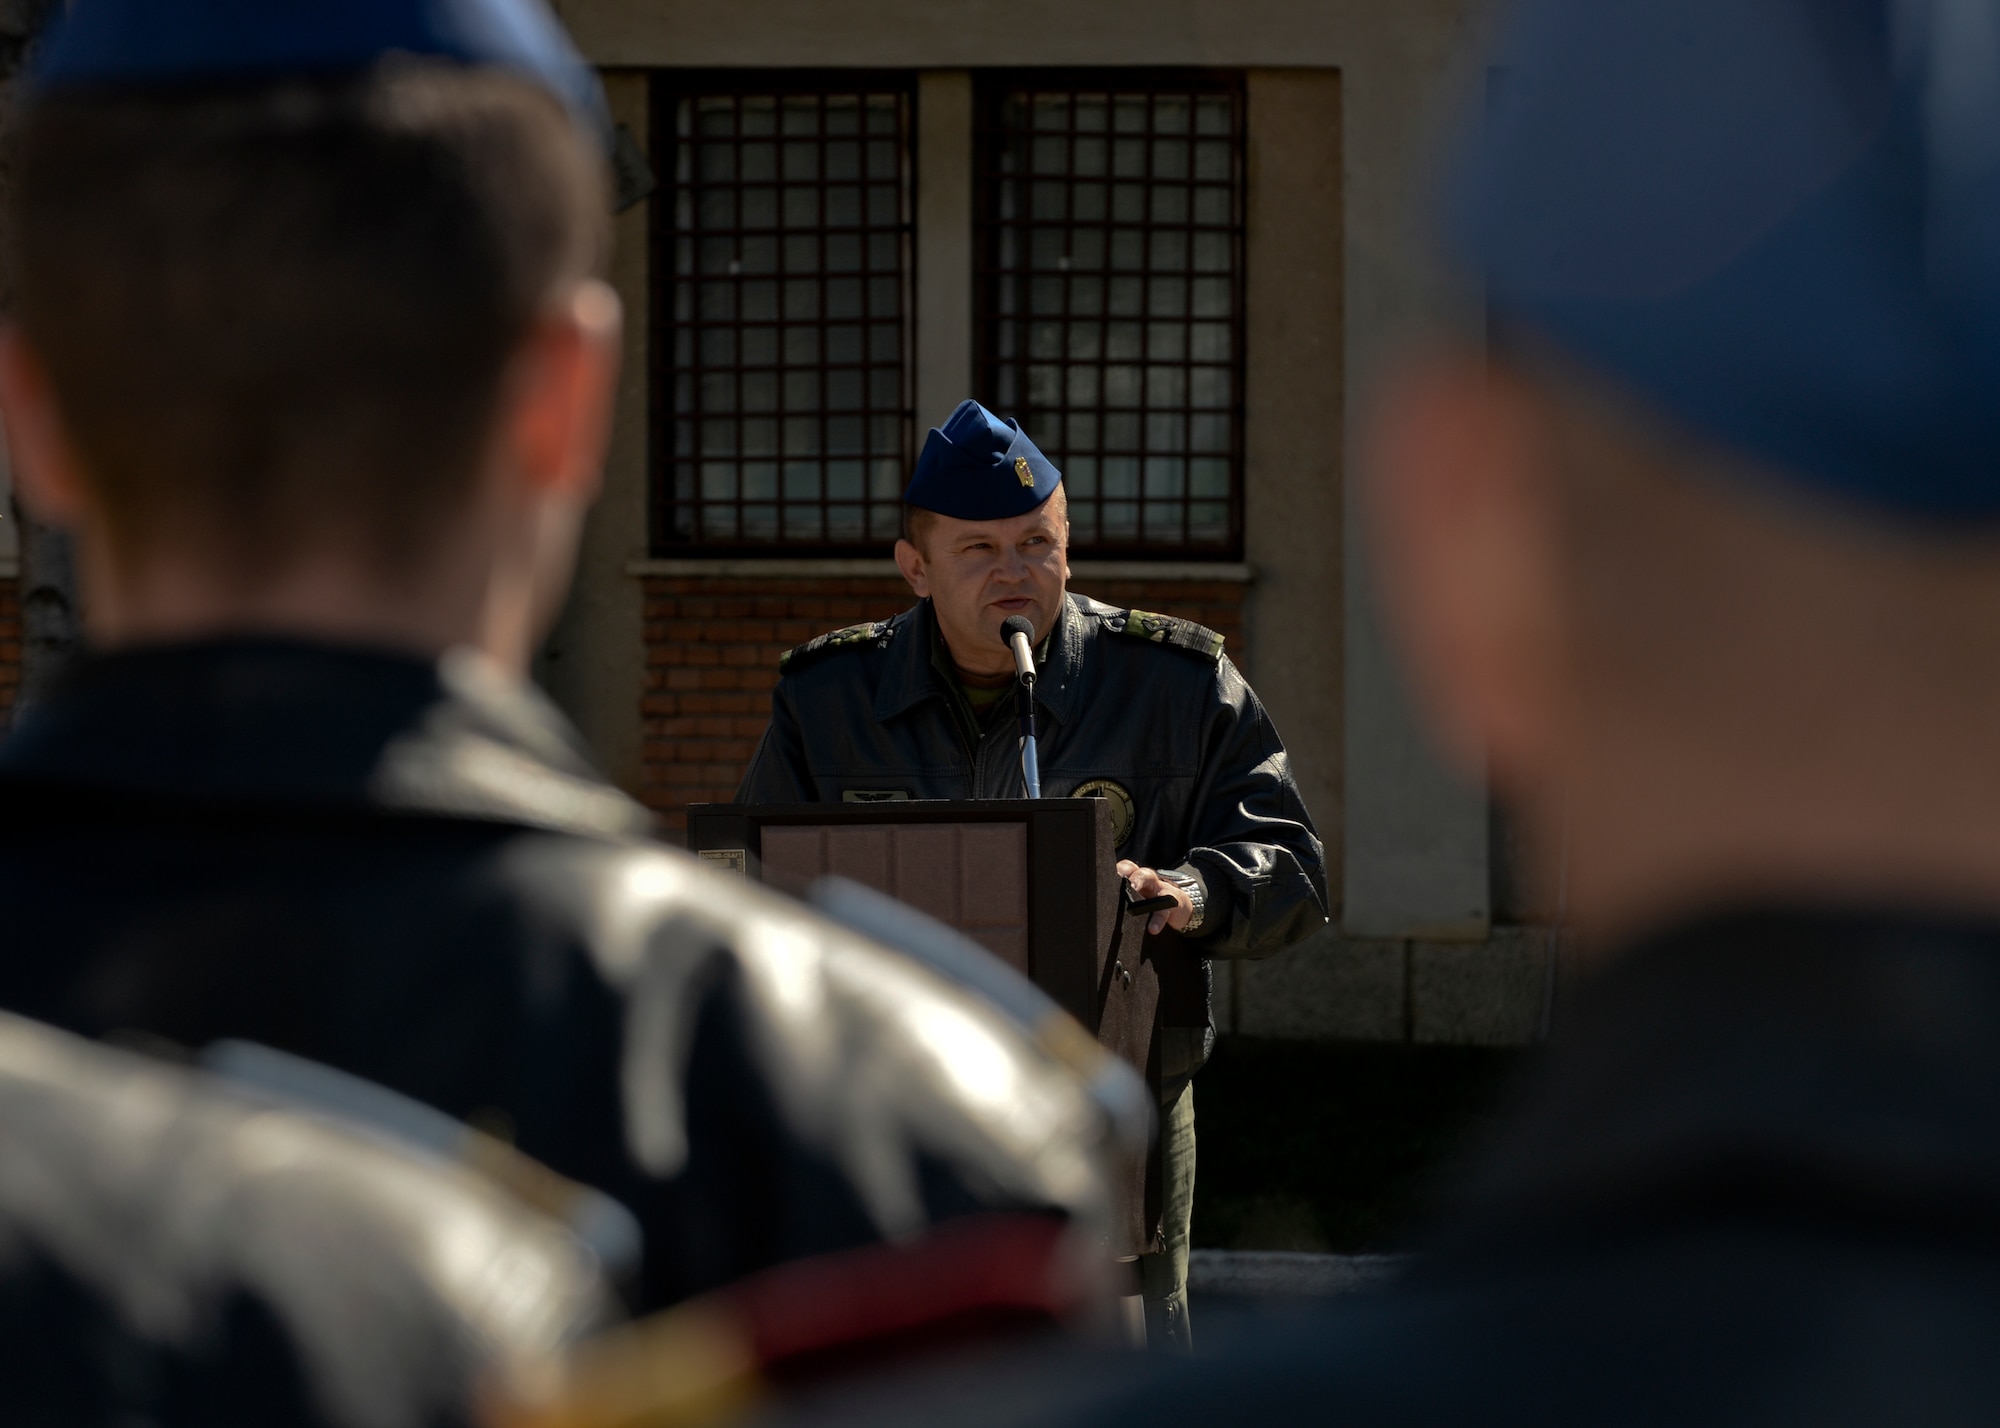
{"x": 1197, "y": 892}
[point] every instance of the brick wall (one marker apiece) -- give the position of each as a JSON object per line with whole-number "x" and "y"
{"x": 10, "y": 646}
{"x": 712, "y": 647}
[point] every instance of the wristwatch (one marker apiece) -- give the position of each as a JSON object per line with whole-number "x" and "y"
{"x": 1197, "y": 891}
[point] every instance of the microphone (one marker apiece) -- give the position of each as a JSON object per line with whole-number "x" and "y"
{"x": 1019, "y": 636}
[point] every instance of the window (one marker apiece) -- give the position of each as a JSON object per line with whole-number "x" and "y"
{"x": 782, "y": 376}
{"x": 1110, "y": 242}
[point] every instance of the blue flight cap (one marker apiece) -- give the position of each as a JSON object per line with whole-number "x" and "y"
{"x": 978, "y": 467}
{"x": 1778, "y": 221}
{"x": 129, "y": 43}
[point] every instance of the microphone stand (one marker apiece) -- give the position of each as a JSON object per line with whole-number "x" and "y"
{"x": 1019, "y": 635}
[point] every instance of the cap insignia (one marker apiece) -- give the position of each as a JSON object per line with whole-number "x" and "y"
{"x": 1021, "y": 471}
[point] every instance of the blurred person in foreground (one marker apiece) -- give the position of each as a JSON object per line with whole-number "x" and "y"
{"x": 313, "y": 356}
{"x": 1702, "y": 560}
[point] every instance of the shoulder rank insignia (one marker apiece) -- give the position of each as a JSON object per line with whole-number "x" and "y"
{"x": 1166, "y": 630}
{"x": 853, "y": 637}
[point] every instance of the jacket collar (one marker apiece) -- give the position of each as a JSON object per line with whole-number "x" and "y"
{"x": 1061, "y": 673}
{"x": 908, "y": 677}
{"x": 265, "y": 722}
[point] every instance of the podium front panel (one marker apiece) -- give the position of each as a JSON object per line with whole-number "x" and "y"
{"x": 969, "y": 876}
{"x": 1035, "y": 882}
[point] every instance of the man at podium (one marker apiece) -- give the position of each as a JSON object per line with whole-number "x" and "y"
{"x": 1140, "y": 709}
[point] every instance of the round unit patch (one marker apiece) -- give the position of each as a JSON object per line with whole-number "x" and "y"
{"x": 1123, "y": 812}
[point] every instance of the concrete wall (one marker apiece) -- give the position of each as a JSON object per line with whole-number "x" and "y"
{"x": 1500, "y": 991}
{"x": 1296, "y": 420}
{"x": 945, "y": 296}
{"x": 967, "y": 34}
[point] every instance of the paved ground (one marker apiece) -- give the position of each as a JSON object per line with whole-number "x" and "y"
{"x": 1283, "y": 1274}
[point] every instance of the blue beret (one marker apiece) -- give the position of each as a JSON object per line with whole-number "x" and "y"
{"x": 1776, "y": 220}
{"x": 978, "y": 467}
{"x": 119, "y": 43}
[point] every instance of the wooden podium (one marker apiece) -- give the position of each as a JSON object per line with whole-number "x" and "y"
{"x": 1034, "y": 882}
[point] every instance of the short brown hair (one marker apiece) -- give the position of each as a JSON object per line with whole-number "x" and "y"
{"x": 917, "y": 524}
{"x": 279, "y": 315}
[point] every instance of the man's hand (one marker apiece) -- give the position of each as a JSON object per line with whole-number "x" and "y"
{"x": 1147, "y": 883}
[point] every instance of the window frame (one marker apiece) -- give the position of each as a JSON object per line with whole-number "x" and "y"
{"x": 667, "y": 89}
{"x": 991, "y": 89}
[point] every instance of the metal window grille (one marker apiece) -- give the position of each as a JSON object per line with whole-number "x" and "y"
{"x": 782, "y": 375}
{"x": 1110, "y": 242}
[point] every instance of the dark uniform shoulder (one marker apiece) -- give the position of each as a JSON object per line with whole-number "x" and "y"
{"x": 873, "y": 635}
{"x": 1166, "y": 630}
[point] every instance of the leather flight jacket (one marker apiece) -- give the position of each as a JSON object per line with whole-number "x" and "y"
{"x": 184, "y": 1249}
{"x": 406, "y": 869}
{"x": 1141, "y": 709}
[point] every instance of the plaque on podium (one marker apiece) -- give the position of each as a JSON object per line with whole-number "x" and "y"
{"x": 1033, "y": 881}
